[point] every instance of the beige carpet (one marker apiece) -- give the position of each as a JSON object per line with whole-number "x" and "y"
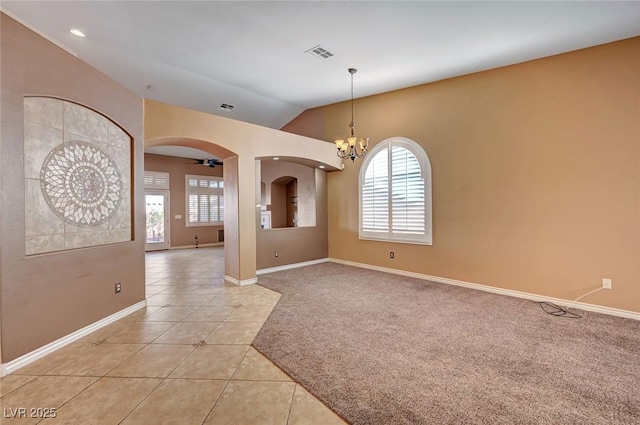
{"x": 383, "y": 349}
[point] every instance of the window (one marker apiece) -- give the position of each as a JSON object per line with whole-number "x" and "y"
{"x": 205, "y": 200}
{"x": 395, "y": 193}
{"x": 156, "y": 180}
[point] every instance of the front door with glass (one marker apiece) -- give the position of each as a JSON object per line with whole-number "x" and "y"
{"x": 157, "y": 220}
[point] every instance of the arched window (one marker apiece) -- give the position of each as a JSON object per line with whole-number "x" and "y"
{"x": 395, "y": 193}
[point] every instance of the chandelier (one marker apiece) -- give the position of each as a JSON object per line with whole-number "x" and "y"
{"x": 354, "y": 147}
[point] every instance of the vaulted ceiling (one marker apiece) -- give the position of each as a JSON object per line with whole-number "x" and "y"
{"x": 251, "y": 55}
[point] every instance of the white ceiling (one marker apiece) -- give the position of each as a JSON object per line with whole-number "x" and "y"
{"x": 252, "y": 54}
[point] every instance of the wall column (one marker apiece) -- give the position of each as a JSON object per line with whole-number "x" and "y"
{"x": 240, "y": 220}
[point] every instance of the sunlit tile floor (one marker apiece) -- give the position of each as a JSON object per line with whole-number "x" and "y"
{"x": 184, "y": 359}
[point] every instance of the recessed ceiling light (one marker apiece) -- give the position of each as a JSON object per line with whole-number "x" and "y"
{"x": 321, "y": 167}
{"x": 275, "y": 158}
{"x": 76, "y": 32}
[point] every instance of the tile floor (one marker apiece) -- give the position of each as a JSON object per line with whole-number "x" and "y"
{"x": 184, "y": 359}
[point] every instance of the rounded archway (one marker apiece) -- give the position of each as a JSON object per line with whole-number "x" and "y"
{"x": 199, "y": 208}
{"x": 239, "y": 145}
{"x": 216, "y": 150}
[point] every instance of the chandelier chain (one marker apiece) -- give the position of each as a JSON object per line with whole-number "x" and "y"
{"x": 352, "y": 124}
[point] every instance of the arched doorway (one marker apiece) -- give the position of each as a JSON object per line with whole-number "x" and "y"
{"x": 238, "y": 144}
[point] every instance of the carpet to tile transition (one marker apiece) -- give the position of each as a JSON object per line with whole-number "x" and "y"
{"x": 384, "y": 349}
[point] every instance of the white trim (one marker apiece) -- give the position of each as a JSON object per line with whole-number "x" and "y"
{"x": 528, "y": 296}
{"x": 291, "y": 266}
{"x": 38, "y": 353}
{"x": 202, "y": 245}
{"x": 241, "y": 282}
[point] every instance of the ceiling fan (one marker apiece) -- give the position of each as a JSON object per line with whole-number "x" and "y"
{"x": 208, "y": 162}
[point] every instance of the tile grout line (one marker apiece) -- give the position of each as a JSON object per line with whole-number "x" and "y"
{"x": 20, "y": 386}
{"x": 73, "y": 398}
{"x": 293, "y": 396}
{"x": 240, "y": 362}
{"x": 215, "y": 403}
{"x": 141, "y": 401}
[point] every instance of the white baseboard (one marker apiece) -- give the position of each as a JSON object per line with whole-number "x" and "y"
{"x": 271, "y": 270}
{"x": 202, "y": 245}
{"x": 38, "y": 353}
{"x": 244, "y": 282}
{"x": 528, "y": 296}
{"x": 291, "y": 266}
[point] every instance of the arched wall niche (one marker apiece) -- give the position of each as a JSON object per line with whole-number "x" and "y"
{"x": 289, "y": 194}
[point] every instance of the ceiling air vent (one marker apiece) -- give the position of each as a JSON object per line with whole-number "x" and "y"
{"x": 319, "y": 52}
{"x": 226, "y": 107}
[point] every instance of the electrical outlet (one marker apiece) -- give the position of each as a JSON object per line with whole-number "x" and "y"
{"x": 277, "y": 254}
{"x": 392, "y": 254}
{"x": 607, "y": 284}
{"x": 118, "y": 287}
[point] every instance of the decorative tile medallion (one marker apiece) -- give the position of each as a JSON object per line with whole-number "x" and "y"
{"x": 77, "y": 177}
{"x": 81, "y": 183}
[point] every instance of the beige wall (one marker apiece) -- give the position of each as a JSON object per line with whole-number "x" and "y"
{"x": 45, "y": 297}
{"x": 536, "y": 185}
{"x": 181, "y": 235}
{"x": 278, "y": 206}
{"x": 232, "y": 254}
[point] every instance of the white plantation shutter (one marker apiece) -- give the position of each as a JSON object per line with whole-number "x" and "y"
{"x": 156, "y": 180}
{"x": 192, "y": 207}
{"x": 214, "y": 213}
{"x": 204, "y": 208}
{"x": 407, "y": 204}
{"x": 395, "y": 195}
{"x": 375, "y": 194}
{"x": 205, "y": 200}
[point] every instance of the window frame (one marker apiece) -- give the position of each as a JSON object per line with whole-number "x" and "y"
{"x": 206, "y": 191}
{"x": 425, "y": 170}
